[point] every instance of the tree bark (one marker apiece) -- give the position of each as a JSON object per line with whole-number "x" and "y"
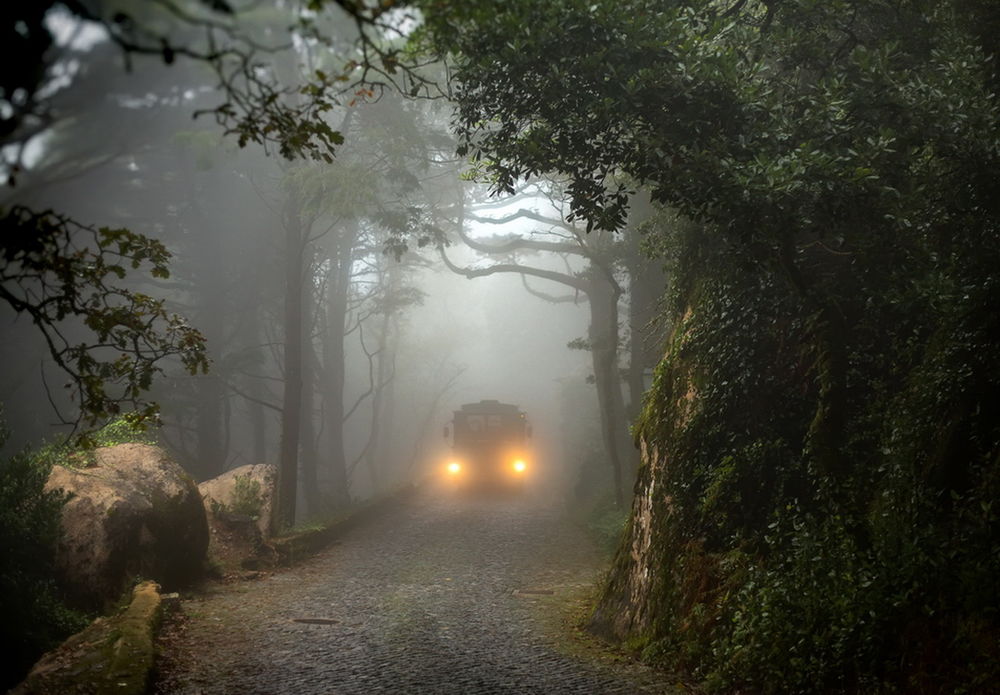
{"x": 309, "y": 464}
{"x": 378, "y": 390}
{"x": 337, "y": 287}
{"x": 292, "y": 397}
{"x": 645, "y": 282}
{"x": 210, "y": 388}
{"x": 603, "y": 334}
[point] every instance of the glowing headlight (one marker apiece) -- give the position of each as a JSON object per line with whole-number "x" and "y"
{"x": 454, "y": 467}
{"x": 520, "y": 466}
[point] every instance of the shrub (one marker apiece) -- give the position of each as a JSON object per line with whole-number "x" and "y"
{"x": 247, "y": 497}
{"x": 34, "y": 617}
{"x": 121, "y": 430}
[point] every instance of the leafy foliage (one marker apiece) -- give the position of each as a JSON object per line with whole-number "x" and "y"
{"x": 823, "y": 433}
{"x": 35, "y": 619}
{"x": 65, "y": 277}
{"x": 79, "y": 453}
{"x": 247, "y": 498}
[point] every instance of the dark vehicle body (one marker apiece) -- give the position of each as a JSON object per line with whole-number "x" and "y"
{"x": 489, "y": 445}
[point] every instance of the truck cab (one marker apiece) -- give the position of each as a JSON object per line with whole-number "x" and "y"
{"x": 489, "y": 445}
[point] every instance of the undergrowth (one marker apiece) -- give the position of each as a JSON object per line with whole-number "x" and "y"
{"x": 35, "y": 617}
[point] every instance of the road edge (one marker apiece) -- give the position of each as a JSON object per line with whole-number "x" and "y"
{"x": 114, "y": 654}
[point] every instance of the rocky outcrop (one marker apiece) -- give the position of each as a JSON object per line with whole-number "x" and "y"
{"x": 134, "y": 512}
{"x": 639, "y": 590}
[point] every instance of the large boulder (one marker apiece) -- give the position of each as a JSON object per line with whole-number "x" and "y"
{"x": 134, "y": 512}
{"x": 235, "y": 491}
{"x": 238, "y": 504}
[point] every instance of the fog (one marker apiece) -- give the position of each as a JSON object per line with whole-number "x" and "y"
{"x": 506, "y": 344}
{"x": 125, "y": 151}
{"x": 395, "y": 251}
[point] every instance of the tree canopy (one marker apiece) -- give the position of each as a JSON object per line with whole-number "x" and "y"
{"x": 821, "y": 443}
{"x": 824, "y": 422}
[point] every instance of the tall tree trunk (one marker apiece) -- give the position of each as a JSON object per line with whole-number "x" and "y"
{"x": 646, "y": 285}
{"x": 210, "y": 388}
{"x": 210, "y": 450}
{"x": 603, "y": 334}
{"x": 378, "y": 388}
{"x": 338, "y": 287}
{"x": 292, "y": 397}
{"x": 310, "y": 457}
{"x": 387, "y": 419}
{"x": 258, "y": 422}
{"x": 250, "y": 339}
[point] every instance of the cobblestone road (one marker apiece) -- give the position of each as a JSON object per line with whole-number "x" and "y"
{"x": 439, "y": 596}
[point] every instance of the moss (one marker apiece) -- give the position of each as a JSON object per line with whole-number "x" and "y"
{"x": 114, "y": 655}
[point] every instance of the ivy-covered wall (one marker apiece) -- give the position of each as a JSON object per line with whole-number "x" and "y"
{"x": 816, "y": 510}
{"x": 750, "y": 561}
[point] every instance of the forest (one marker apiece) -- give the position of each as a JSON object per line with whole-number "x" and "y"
{"x": 739, "y": 259}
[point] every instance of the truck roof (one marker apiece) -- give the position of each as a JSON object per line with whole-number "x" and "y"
{"x": 489, "y": 406}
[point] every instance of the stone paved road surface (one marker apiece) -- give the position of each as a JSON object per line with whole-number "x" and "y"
{"x": 441, "y": 595}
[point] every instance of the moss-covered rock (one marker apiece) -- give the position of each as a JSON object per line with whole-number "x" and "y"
{"x": 113, "y": 654}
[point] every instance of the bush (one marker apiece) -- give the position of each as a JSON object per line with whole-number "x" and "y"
{"x": 247, "y": 497}
{"x": 121, "y": 430}
{"x": 34, "y": 617}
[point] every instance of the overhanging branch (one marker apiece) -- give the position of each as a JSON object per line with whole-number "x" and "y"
{"x": 554, "y": 276}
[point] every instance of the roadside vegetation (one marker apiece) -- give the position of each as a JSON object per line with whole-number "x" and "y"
{"x": 817, "y": 502}
{"x": 816, "y": 505}
{"x": 36, "y": 615}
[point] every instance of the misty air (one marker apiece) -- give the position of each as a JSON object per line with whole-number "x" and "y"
{"x": 459, "y": 347}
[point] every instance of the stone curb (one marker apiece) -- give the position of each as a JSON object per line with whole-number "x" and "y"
{"x": 114, "y": 654}
{"x": 296, "y": 547}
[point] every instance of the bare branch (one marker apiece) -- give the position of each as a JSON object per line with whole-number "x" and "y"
{"x": 561, "y": 278}
{"x": 258, "y": 401}
{"x": 561, "y": 299}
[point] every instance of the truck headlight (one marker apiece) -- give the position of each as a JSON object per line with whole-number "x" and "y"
{"x": 520, "y": 466}
{"x": 454, "y": 468}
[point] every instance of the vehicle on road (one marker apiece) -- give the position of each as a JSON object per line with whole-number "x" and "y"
{"x": 489, "y": 446}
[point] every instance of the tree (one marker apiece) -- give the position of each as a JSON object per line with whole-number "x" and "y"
{"x": 597, "y": 283}
{"x": 67, "y": 275}
{"x": 342, "y": 216}
{"x": 56, "y": 269}
{"x": 255, "y": 106}
{"x": 835, "y": 166}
